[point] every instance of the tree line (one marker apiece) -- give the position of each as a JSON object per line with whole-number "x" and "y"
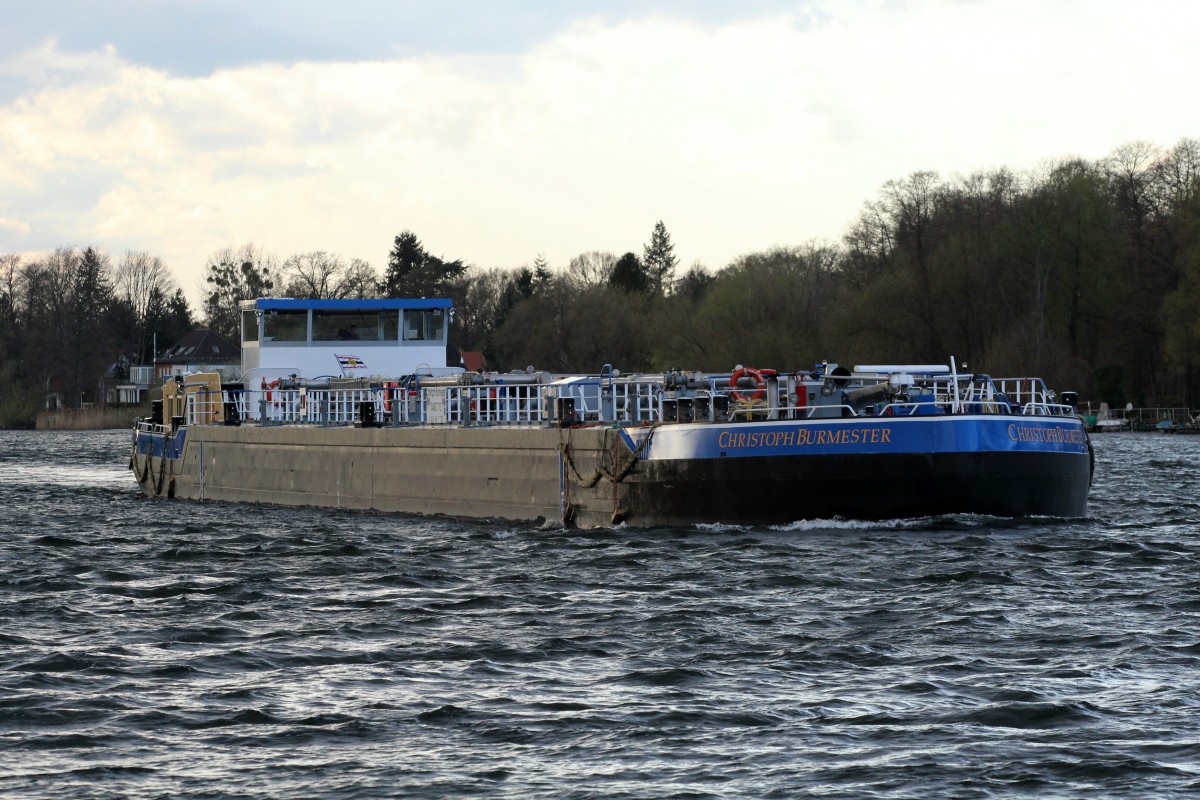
{"x": 1085, "y": 272}
{"x": 75, "y": 320}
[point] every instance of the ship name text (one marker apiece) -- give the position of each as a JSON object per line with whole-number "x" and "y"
{"x": 804, "y": 437}
{"x": 1055, "y": 434}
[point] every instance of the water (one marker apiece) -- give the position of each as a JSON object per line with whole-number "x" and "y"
{"x": 156, "y": 649}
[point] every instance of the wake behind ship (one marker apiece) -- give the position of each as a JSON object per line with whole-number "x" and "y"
{"x": 752, "y": 446}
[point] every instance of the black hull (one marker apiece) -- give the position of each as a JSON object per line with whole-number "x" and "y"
{"x": 774, "y": 490}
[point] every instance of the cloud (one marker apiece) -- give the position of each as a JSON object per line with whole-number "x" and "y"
{"x": 739, "y": 134}
{"x": 197, "y": 38}
{"x": 14, "y": 225}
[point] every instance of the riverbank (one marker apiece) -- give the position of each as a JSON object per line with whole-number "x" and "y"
{"x": 89, "y": 419}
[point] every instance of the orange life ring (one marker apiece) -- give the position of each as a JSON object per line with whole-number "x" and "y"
{"x": 742, "y": 372}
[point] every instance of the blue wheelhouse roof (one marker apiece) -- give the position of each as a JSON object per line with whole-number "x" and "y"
{"x": 374, "y": 304}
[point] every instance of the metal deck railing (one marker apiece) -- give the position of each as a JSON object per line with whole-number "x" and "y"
{"x": 635, "y": 400}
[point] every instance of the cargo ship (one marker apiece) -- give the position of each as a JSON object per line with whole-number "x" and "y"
{"x": 350, "y": 404}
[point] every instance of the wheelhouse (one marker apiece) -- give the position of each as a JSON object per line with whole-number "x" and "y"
{"x": 314, "y": 338}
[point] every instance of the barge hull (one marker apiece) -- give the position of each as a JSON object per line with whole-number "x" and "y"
{"x": 480, "y": 473}
{"x": 525, "y": 474}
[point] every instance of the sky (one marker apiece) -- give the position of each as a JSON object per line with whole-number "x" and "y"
{"x": 498, "y": 131}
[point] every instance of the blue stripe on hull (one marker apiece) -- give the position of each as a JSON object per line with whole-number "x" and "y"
{"x": 156, "y": 444}
{"x": 862, "y": 436}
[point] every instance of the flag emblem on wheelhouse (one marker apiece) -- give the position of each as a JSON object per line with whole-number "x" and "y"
{"x": 351, "y": 362}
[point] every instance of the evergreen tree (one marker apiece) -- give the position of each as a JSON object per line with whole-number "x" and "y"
{"x": 168, "y": 317}
{"x": 90, "y": 351}
{"x": 659, "y": 259}
{"x": 407, "y": 257}
{"x": 413, "y": 272}
{"x": 694, "y": 283}
{"x": 629, "y": 274}
{"x": 541, "y": 273}
{"x": 518, "y": 286}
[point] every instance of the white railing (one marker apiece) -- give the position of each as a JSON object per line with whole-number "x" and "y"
{"x": 495, "y": 404}
{"x": 607, "y": 401}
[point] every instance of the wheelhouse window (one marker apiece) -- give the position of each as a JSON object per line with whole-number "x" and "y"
{"x": 424, "y": 324}
{"x": 249, "y": 326}
{"x": 285, "y": 326}
{"x": 371, "y": 326}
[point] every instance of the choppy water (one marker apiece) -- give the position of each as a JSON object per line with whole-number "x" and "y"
{"x": 150, "y": 649}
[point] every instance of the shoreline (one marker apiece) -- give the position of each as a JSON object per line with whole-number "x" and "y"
{"x": 89, "y": 419}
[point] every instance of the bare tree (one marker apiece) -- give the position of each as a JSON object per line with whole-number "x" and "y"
{"x": 321, "y": 275}
{"x": 232, "y": 276}
{"x": 138, "y": 280}
{"x": 593, "y": 268}
{"x": 313, "y": 275}
{"x": 360, "y": 280}
{"x": 68, "y": 297}
{"x": 13, "y": 401}
{"x": 10, "y": 282}
{"x": 478, "y": 313}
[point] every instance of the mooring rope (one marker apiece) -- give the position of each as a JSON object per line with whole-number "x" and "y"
{"x": 162, "y": 471}
{"x": 145, "y": 476}
{"x": 601, "y": 472}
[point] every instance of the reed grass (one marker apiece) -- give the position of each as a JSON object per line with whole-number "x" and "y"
{"x": 90, "y": 419}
